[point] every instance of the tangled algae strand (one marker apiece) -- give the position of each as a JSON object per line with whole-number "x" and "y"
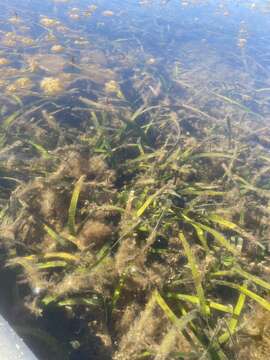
{"x": 51, "y": 86}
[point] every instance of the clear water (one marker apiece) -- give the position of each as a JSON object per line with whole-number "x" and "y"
{"x": 210, "y": 59}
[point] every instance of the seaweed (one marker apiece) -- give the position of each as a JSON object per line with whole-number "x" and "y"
{"x": 134, "y": 190}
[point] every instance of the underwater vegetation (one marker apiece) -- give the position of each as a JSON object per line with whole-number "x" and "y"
{"x": 134, "y": 185}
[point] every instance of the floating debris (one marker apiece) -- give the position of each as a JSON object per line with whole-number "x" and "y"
{"x": 48, "y": 22}
{"x": 57, "y": 48}
{"x": 4, "y": 61}
{"x": 108, "y": 13}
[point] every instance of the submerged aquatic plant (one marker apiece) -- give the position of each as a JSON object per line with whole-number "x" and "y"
{"x": 51, "y": 86}
{"x": 135, "y": 204}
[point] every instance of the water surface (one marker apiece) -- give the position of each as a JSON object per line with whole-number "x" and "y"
{"x": 123, "y": 125}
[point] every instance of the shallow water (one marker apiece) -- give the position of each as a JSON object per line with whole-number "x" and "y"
{"x": 71, "y": 71}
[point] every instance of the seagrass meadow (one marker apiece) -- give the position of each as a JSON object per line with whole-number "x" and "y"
{"x": 135, "y": 178}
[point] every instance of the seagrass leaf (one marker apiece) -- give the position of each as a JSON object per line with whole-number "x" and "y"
{"x": 195, "y": 273}
{"x": 73, "y": 205}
